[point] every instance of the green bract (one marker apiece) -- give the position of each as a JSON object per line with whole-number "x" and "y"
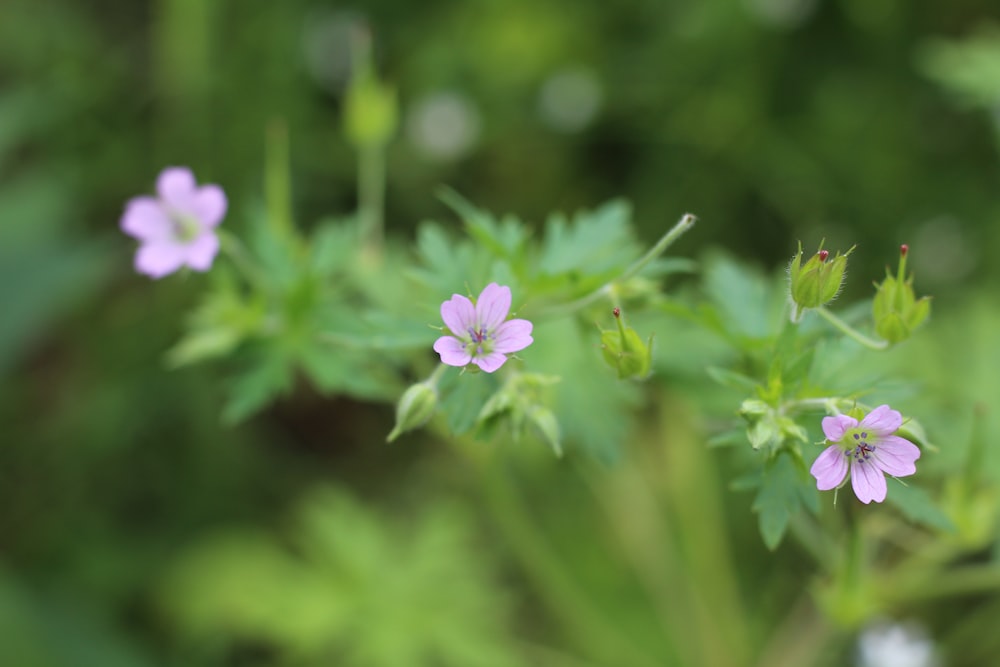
{"x": 416, "y": 406}
{"x": 816, "y": 282}
{"x": 625, "y": 352}
{"x": 896, "y": 310}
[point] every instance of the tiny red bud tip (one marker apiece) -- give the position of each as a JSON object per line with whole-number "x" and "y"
{"x": 903, "y": 249}
{"x": 617, "y": 312}
{"x": 823, "y": 254}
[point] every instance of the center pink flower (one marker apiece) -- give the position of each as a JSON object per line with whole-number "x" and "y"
{"x": 869, "y": 449}
{"x": 481, "y": 334}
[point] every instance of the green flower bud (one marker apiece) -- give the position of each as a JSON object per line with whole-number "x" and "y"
{"x": 766, "y": 428}
{"x": 371, "y": 113}
{"x": 624, "y": 351}
{"x": 519, "y": 404}
{"x": 818, "y": 281}
{"x": 896, "y": 310}
{"x": 416, "y": 406}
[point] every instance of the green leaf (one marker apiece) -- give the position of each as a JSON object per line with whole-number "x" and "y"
{"x": 332, "y": 247}
{"x": 778, "y": 498}
{"x": 354, "y": 583}
{"x": 595, "y": 242}
{"x": 464, "y": 396}
{"x": 750, "y": 306}
{"x": 732, "y": 379}
{"x": 269, "y": 376}
{"x": 917, "y": 505}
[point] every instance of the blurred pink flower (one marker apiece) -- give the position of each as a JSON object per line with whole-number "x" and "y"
{"x": 869, "y": 449}
{"x": 482, "y": 337}
{"x": 177, "y": 228}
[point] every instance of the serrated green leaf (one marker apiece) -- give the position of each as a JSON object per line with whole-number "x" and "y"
{"x": 731, "y": 379}
{"x": 463, "y": 397}
{"x": 332, "y": 246}
{"x": 594, "y": 242}
{"x": 268, "y": 376}
{"x": 917, "y": 505}
{"x": 778, "y": 499}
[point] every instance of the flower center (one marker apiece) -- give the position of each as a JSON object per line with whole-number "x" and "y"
{"x": 186, "y": 227}
{"x": 480, "y": 337}
{"x": 858, "y": 446}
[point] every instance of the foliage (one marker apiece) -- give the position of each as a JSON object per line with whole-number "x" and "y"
{"x": 182, "y": 462}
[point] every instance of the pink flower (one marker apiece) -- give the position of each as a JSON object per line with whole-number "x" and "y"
{"x": 869, "y": 448}
{"x": 178, "y": 227}
{"x": 482, "y": 337}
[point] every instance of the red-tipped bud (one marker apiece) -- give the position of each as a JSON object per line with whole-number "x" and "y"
{"x": 617, "y": 312}
{"x": 896, "y": 309}
{"x": 816, "y": 281}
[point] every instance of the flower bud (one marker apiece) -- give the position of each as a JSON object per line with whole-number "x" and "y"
{"x": 624, "y": 351}
{"x": 766, "y": 428}
{"x": 817, "y": 281}
{"x": 416, "y": 406}
{"x": 896, "y": 310}
{"x": 370, "y": 108}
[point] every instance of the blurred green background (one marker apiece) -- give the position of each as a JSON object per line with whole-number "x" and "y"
{"x": 136, "y": 530}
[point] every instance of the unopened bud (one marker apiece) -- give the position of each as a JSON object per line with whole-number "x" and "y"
{"x": 896, "y": 310}
{"x": 624, "y": 350}
{"x": 370, "y": 108}
{"x": 817, "y": 281}
{"x": 416, "y": 406}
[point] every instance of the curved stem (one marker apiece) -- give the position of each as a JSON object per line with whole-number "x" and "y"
{"x": 849, "y": 331}
{"x": 237, "y": 252}
{"x": 685, "y": 223}
{"x": 371, "y": 198}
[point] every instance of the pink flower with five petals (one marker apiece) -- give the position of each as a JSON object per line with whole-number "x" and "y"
{"x": 177, "y": 228}
{"x": 482, "y": 336}
{"x": 869, "y": 449}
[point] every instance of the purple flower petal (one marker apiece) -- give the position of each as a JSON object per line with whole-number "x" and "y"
{"x": 512, "y": 336}
{"x": 159, "y": 259}
{"x": 835, "y": 427}
{"x": 210, "y": 205}
{"x": 145, "y": 220}
{"x": 896, "y": 455}
{"x": 459, "y": 315}
{"x": 492, "y": 306}
{"x": 490, "y": 362}
{"x": 883, "y": 420}
{"x": 177, "y": 189}
{"x": 202, "y": 251}
{"x": 830, "y": 468}
{"x": 868, "y": 482}
{"x": 452, "y": 351}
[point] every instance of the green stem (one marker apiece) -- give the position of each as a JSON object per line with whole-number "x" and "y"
{"x": 595, "y": 629}
{"x": 371, "y": 198}
{"x": 237, "y": 252}
{"x": 435, "y": 377}
{"x": 277, "y": 179}
{"x": 849, "y": 331}
{"x": 684, "y": 224}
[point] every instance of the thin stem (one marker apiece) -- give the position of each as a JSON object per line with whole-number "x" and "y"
{"x": 568, "y": 601}
{"x": 849, "y": 331}
{"x": 277, "y": 179}
{"x": 237, "y": 252}
{"x": 684, "y": 224}
{"x": 371, "y": 198}
{"x": 827, "y": 403}
{"x": 435, "y": 377}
